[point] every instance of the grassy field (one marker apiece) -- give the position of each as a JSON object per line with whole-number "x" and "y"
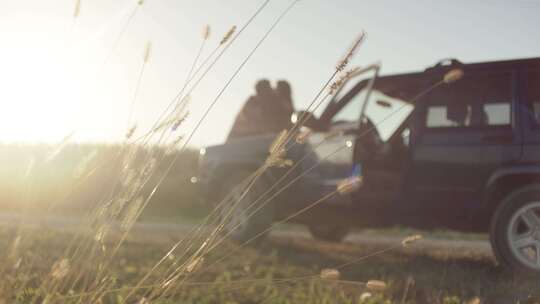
{"x": 79, "y": 176}
{"x": 284, "y": 269}
{"x": 98, "y": 223}
{"x": 280, "y": 270}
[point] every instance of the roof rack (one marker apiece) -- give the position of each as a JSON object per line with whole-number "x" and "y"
{"x": 444, "y": 63}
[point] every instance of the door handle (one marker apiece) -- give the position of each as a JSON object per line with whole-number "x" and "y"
{"x": 498, "y": 139}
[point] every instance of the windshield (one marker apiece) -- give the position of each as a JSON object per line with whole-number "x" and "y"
{"x": 385, "y": 112}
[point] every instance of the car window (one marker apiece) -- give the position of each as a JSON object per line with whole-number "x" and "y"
{"x": 438, "y": 117}
{"x": 533, "y": 94}
{"x": 477, "y": 100}
{"x": 350, "y": 112}
{"x": 385, "y": 112}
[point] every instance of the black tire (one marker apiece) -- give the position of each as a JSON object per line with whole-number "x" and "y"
{"x": 243, "y": 221}
{"x": 329, "y": 233}
{"x": 506, "y": 220}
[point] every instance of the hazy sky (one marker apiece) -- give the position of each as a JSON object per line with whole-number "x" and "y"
{"x": 54, "y": 79}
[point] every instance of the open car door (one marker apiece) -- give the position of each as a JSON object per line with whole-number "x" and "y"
{"x": 365, "y": 132}
{"x": 330, "y": 151}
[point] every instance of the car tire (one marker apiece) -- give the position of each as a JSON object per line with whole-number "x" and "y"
{"x": 237, "y": 214}
{"x": 515, "y": 230}
{"x": 329, "y": 233}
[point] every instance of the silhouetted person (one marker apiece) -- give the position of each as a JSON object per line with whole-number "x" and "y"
{"x": 251, "y": 119}
{"x": 269, "y": 111}
{"x": 285, "y": 103}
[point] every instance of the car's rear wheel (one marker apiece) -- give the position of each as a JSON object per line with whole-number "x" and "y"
{"x": 329, "y": 233}
{"x": 243, "y": 214}
{"x": 515, "y": 230}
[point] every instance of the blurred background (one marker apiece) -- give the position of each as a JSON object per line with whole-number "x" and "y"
{"x": 62, "y": 75}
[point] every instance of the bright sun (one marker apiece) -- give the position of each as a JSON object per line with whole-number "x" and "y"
{"x": 54, "y": 81}
{"x": 39, "y": 85}
{"x": 38, "y": 95}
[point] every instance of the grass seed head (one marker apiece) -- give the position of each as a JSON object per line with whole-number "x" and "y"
{"x": 131, "y": 131}
{"x": 365, "y": 296}
{"x": 376, "y": 285}
{"x": 475, "y": 300}
{"x": 181, "y": 112}
{"x": 206, "y": 32}
{"x": 303, "y": 136}
{"x": 195, "y": 264}
{"x": 60, "y": 269}
{"x": 277, "y": 152}
{"x": 143, "y": 300}
{"x": 174, "y": 144}
{"x": 349, "y": 185}
{"x": 279, "y": 142}
{"x": 228, "y": 35}
{"x": 334, "y": 87}
{"x": 77, "y": 9}
{"x": 179, "y": 122}
{"x": 101, "y": 233}
{"x": 453, "y": 76}
{"x": 147, "y": 51}
{"x": 330, "y": 274}
{"x": 411, "y": 239}
{"x": 350, "y": 54}
{"x": 274, "y": 160}
{"x": 177, "y": 116}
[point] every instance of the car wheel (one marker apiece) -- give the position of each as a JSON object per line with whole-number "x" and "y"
{"x": 329, "y": 233}
{"x": 244, "y": 216}
{"x": 515, "y": 230}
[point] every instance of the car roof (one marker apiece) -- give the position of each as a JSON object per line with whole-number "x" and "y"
{"x": 415, "y": 81}
{"x": 447, "y": 64}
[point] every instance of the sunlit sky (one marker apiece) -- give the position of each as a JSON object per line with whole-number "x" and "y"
{"x": 55, "y": 81}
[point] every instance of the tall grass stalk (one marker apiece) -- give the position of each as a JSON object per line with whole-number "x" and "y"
{"x": 229, "y": 38}
{"x": 276, "y": 22}
{"x": 146, "y": 58}
{"x": 123, "y": 30}
{"x": 123, "y": 237}
{"x": 324, "y": 87}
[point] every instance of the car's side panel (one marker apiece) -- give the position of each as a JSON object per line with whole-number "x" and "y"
{"x": 450, "y": 165}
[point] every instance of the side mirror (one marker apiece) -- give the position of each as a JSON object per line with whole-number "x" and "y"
{"x": 307, "y": 119}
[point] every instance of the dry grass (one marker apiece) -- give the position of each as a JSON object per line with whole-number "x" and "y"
{"x": 288, "y": 270}
{"x": 96, "y": 263}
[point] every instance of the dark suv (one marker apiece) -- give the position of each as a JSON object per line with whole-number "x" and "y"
{"x": 463, "y": 156}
